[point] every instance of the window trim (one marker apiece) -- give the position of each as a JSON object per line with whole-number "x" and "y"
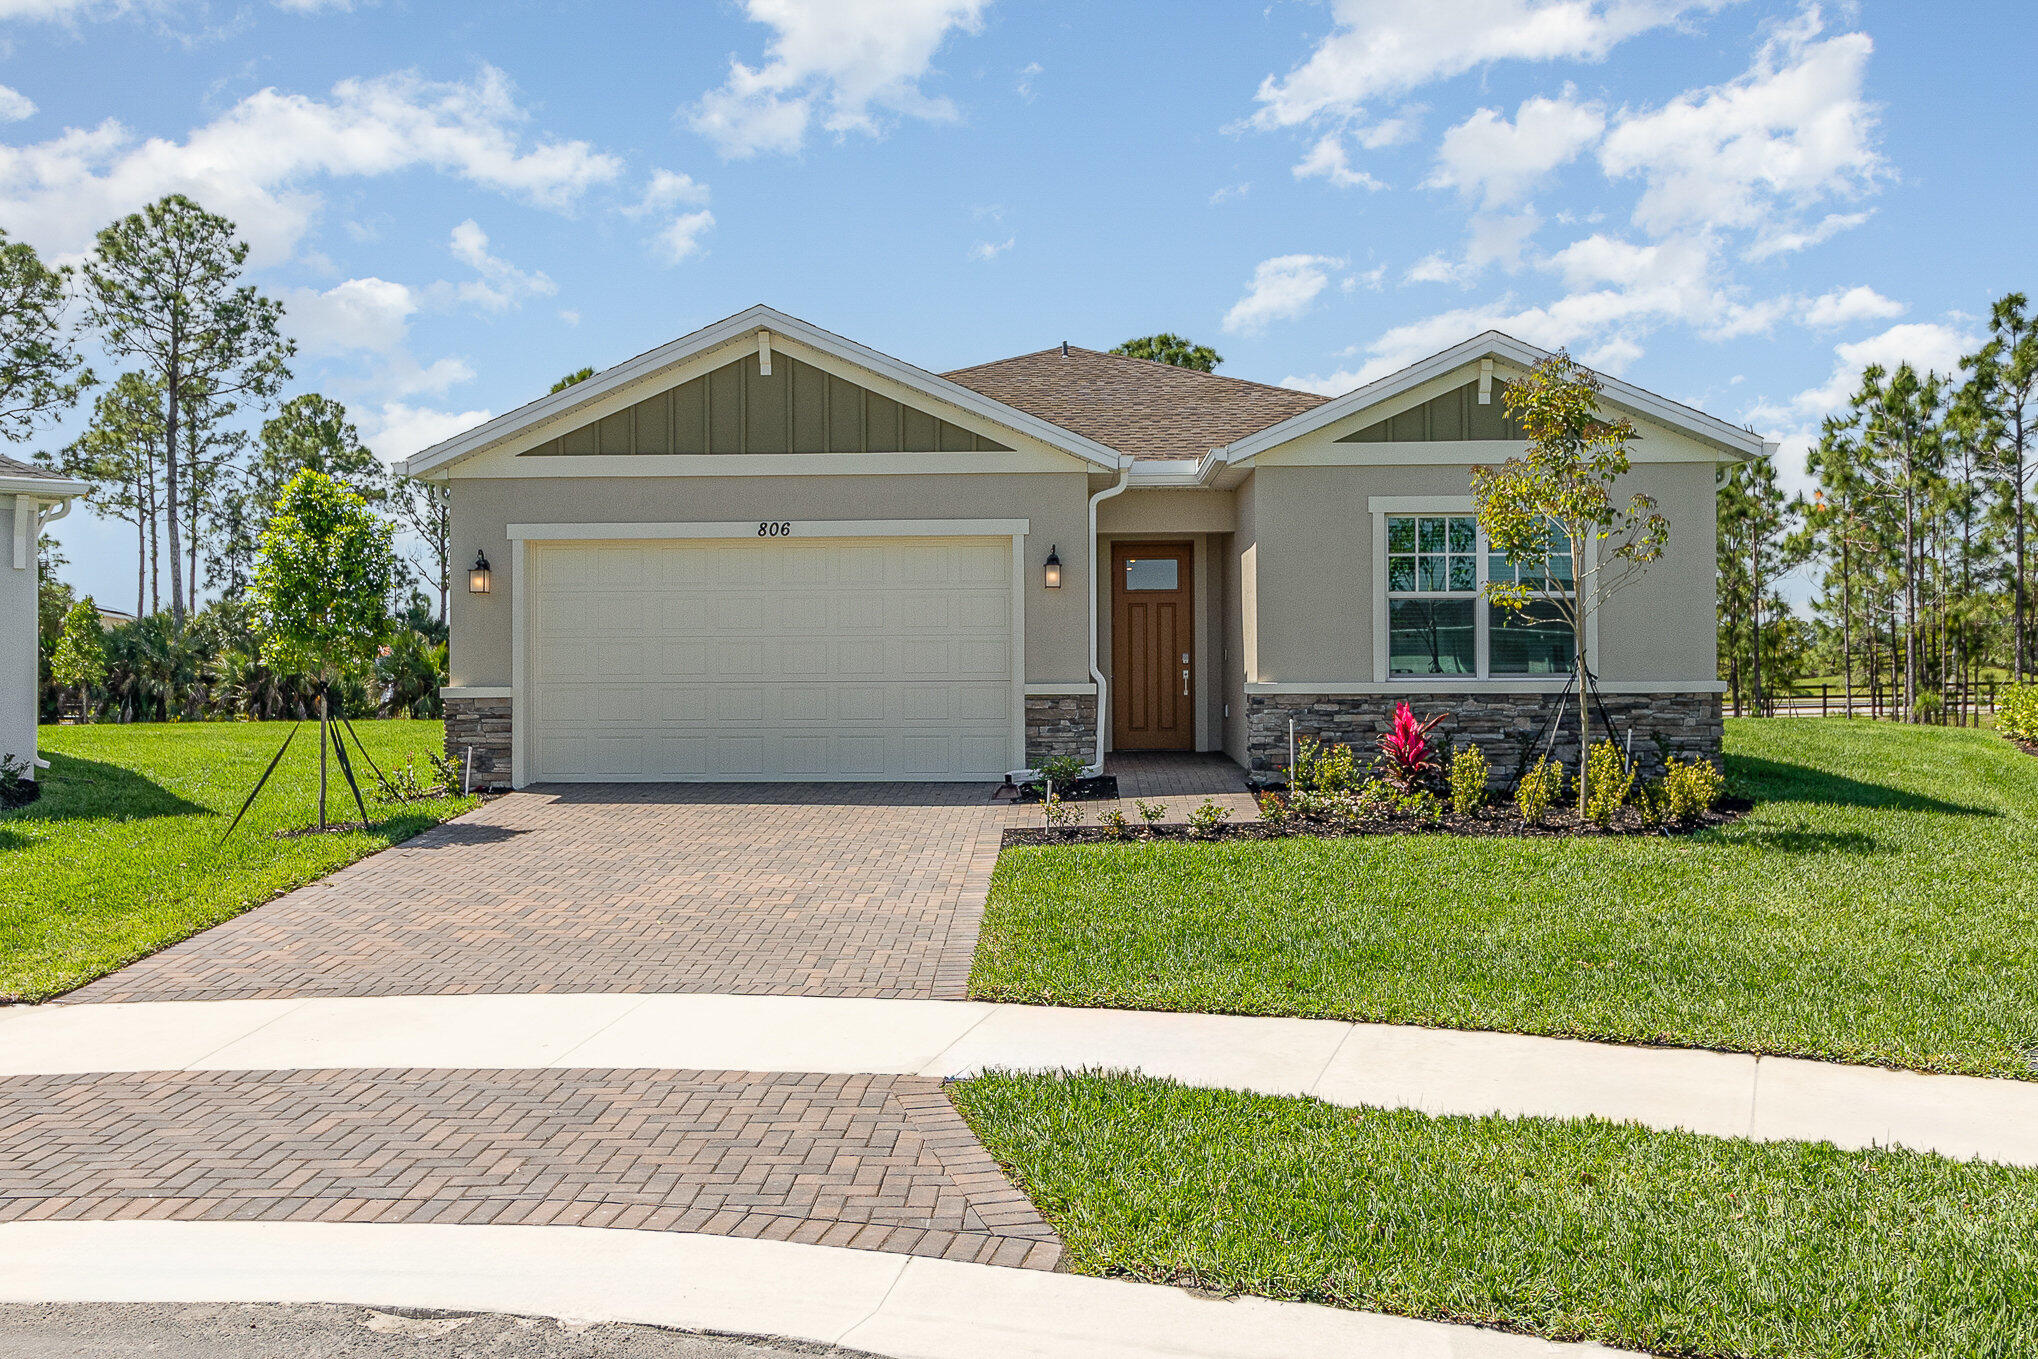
{"x": 1381, "y": 506}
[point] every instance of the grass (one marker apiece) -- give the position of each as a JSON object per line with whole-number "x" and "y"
{"x": 1569, "y": 1229}
{"x": 118, "y": 857}
{"x": 1877, "y": 906}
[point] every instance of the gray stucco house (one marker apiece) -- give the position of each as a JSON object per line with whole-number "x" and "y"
{"x": 764, "y": 551}
{"x": 29, "y": 498}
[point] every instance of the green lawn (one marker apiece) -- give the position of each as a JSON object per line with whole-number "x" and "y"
{"x": 1570, "y": 1229}
{"x": 1879, "y": 905}
{"x": 117, "y": 858}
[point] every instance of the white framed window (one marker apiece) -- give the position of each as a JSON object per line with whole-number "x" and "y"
{"x": 1432, "y": 619}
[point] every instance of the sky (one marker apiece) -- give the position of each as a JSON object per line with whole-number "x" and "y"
{"x": 1734, "y": 203}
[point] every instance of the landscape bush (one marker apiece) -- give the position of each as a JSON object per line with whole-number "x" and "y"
{"x": 1610, "y": 782}
{"x": 1468, "y": 777}
{"x": 2017, "y": 712}
{"x": 1691, "y": 788}
{"x": 1539, "y": 790}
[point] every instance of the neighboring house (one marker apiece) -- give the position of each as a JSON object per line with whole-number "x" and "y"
{"x": 766, "y": 552}
{"x": 29, "y": 498}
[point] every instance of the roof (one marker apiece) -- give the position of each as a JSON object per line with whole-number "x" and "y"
{"x": 1137, "y": 406}
{"x": 16, "y": 475}
{"x": 1518, "y": 353}
{"x": 741, "y": 327}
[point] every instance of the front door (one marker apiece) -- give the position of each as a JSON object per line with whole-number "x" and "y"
{"x": 1152, "y": 625}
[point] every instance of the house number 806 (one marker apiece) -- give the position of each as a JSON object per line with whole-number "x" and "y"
{"x": 769, "y": 529}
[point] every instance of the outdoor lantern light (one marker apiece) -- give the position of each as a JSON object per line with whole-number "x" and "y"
{"x": 1053, "y": 568}
{"x": 477, "y": 575}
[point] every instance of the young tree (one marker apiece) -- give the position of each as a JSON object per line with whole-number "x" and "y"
{"x": 163, "y": 286}
{"x": 1558, "y": 496}
{"x": 40, "y": 373}
{"x": 320, "y": 584}
{"x": 307, "y": 433}
{"x": 80, "y": 658}
{"x": 2003, "y": 392}
{"x": 1171, "y": 349}
{"x": 577, "y": 375}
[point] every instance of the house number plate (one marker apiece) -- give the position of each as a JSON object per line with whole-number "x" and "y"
{"x": 774, "y": 528}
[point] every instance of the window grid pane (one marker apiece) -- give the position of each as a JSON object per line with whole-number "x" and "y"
{"x": 1433, "y": 553}
{"x": 1431, "y": 637}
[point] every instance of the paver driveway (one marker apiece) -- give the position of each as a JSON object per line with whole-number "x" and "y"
{"x": 796, "y": 889}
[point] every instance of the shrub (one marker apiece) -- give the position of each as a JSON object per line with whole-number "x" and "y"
{"x": 1323, "y": 766}
{"x": 1691, "y": 788}
{"x": 17, "y": 789}
{"x": 1408, "y": 760}
{"x": 1063, "y": 770}
{"x": 1059, "y": 812}
{"x": 1539, "y": 790}
{"x": 2017, "y": 712}
{"x": 1421, "y": 806}
{"x": 1652, "y": 803}
{"x": 1609, "y": 781}
{"x": 1274, "y": 811}
{"x": 1114, "y": 824}
{"x": 1929, "y": 707}
{"x": 1151, "y": 813}
{"x": 1205, "y": 820}
{"x": 1468, "y": 780}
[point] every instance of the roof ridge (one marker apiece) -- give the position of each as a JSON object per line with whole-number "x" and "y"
{"x": 1172, "y": 370}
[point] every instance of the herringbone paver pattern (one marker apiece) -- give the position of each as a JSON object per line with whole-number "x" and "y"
{"x": 762, "y": 889}
{"x": 872, "y": 1162}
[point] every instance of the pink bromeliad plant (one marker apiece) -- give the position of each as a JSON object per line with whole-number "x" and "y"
{"x": 1408, "y": 758}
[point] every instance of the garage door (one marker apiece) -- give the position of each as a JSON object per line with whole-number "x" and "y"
{"x": 722, "y": 659}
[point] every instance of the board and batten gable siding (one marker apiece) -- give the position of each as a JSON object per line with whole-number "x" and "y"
{"x": 1455, "y": 414}
{"x": 796, "y": 408}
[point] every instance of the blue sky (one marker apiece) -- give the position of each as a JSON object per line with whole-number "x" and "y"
{"x": 1736, "y": 203}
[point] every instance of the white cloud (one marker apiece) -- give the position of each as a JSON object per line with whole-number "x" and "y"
{"x": 370, "y": 314}
{"x": 502, "y": 285}
{"x": 1231, "y": 191}
{"x": 1327, "y": 160}
{"x": 569, "y": 316}
{"x": 681, "y": 237}
{"x": 1026, "y": 75}
{"x": 315, "y": 6}
{"x": 14, "y": 105}
{"x": 1755, "y": 152}
{"x": 1787, "y": 239}
{"x": 667, "y": 189}
{"x": 1845, "y": 307}
{"x": 843, "y": 61}
{"x": 990, "y": 250}
{"x": 1490, "y": 158}
{"x": 397, "y": 430}
{"x": 1493, "y": 238}
{"x": 404, "y": 376}
{"x": 1380, "y": 48}
{"x": 256, "y": 162}
{"x": 1282, "y": 289}
{"x": 1926, "y": 345}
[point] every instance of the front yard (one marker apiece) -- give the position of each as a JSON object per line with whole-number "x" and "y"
{"x": 118, "y": 858}
{"x": 1572, "y": 1229}
{"x": 1878, "y": 905}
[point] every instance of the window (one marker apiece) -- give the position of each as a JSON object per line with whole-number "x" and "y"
{"x": 1438, "y": 620}
{"x": 1153, "y": 573}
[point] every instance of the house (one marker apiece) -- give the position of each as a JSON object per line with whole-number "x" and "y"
{"x": 764, "y": 551}
{"x": 29, "y": 498}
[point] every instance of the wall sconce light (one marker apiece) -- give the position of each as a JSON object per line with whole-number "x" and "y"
{"x": 1053, "y": 568}
{"x": 478, "y": 575}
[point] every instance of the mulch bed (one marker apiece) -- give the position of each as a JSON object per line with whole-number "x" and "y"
{"x": 1102, "y": 788}
{"x": 1492, "y": 821}
{"x": 21, "y": 794}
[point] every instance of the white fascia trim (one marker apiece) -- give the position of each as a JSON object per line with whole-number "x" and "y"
{"x": 1166, "y": 472}
{"x": 766, "y": 465}
{"x": 1418, "y": 684}
{"x": 1060, "y": 690}
{"x": 794, "y": 528}
{"x": 43, "y": 488}
{"x": 1492, "y": 343}
{"x": 476, "y": 691}
{"x": 735, "y": 328}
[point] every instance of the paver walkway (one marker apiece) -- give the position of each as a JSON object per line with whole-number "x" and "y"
{"x": 867, "y": 1162}
{"x": 789, "y": 889}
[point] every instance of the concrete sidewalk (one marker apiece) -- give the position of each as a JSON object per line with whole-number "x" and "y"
{"x": 910, "y": 1308}
{"x": 1434, "y": 1070}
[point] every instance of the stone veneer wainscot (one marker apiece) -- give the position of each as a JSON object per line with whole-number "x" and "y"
{"x": 484, "y": 725}
{"x": 1060, "y": 724}
{"x": 1503, "y": 725}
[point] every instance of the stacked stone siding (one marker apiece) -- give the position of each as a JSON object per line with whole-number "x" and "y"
{"x": 483, "y": 724}
{"x": 1503, "y": 725}
{"x": 1060, "y": 724}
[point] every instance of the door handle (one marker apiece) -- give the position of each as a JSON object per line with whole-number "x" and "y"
{"x": 1185, "y": 684}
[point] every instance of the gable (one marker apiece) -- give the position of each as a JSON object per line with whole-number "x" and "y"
{"x": 1455, "y": 414}
{"x": 796, "y": 408}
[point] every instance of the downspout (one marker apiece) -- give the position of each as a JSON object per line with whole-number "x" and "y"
{"x": 1096, "y": 674}
{"x": 1096, "y": 766}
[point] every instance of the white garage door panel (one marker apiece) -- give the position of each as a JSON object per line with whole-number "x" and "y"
{"x": 867, "y": 658}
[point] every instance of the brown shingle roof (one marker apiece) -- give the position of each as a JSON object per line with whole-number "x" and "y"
{"x": 15, "y": 467}
{"x": 1137, "y": 406}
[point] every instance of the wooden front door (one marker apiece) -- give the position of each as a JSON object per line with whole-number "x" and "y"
{"x": 1152, "y": 645}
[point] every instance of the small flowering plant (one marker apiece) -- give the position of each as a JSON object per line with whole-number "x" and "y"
{"x": 1408, "y": 758}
